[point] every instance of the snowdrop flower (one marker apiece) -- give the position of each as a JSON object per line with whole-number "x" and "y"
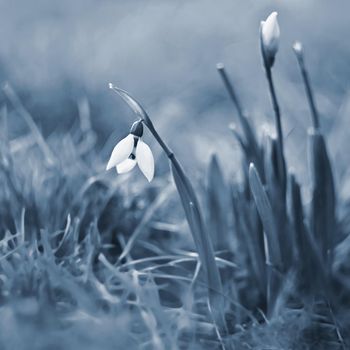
{"x": 131, "y": 151}
{"x": 269, "y": 36}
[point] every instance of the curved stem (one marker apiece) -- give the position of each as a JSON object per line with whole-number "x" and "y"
{"x": 157, "y": 137}
{"x": 172, "y": 159}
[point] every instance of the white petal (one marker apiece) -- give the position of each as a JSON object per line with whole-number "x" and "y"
{"x": 145, "y": 160}
{"x": 271, "y": 33}
{"x": 126, "y": 166}
{"x": 121, "y": 151}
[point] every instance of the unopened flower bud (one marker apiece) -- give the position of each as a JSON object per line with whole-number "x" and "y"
{"x": 269, "y": 36}
{"x": 298, "y": 49}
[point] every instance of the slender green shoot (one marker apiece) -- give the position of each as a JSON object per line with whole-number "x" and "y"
{"x": 299, "y": 53}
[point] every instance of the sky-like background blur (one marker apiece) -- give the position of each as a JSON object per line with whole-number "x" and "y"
{"x": 164, "y": 52}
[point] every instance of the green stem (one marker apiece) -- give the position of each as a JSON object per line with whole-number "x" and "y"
{"x": 308, "y": 89}
{"x": 231, "y": 91}
{"x": 276, "y": 109}
{"x": 157, "y": 137}
{"x": 172, "y": 158}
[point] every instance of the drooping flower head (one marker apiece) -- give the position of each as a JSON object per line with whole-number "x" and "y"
{"x": 130, "y": 151}
{"x": 269, "y": 38}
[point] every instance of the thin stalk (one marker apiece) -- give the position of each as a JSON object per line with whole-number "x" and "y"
{"x": 268, "y": 63}
{"x": 231, "y": 91}
{"x": 160, "y": 141}
{"x": 276, "y": 109}
{"x": 298, "y": 49}
{"x": 249, "y": 142}
{"x": 171, "y": 156}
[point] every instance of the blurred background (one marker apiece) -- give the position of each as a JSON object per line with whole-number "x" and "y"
{"x": 58, "y": 54}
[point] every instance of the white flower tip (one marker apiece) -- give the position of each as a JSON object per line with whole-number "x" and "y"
{"x": 121, "y": 151}
{"x": 219, "y": 66}
{"x": 150, "y": 178}
{"x": 311, "y": 131}
{"x": 297, "y": 47}
{"x": 149, "y": 175}
{"x": 232, "y": 126}
{"x": 270, "y": 34}
{"x": 251, "y": 166}
{"x": 109, "y": 166}
{"x": 110, "y": 86}
{"x": 145, "y": 160}
{"x": 125, "y": 166}
{"x": 272, "y": 19}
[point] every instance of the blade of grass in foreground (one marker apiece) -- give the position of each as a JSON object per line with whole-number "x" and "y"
{"x": 204, "y": 247}
{"x": 311, "y": 268}
{"x": 278, "y": 201}
{"x": 250, "y": 235}
{"x": 17, "y": 104}
{"x": 323, "y": 221}
{"x": 217, "y": 206}
{"x": 273, "y": 253}
{"x": 266, "y": 214}
{"x": 158, "y": 202}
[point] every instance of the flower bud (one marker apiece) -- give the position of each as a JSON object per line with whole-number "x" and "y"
{"x": 298, "y": 49}
{"x": 297, "y": 46}
{"x": 269, "y": 37}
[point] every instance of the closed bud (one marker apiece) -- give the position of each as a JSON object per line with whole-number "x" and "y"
{"x": 269, "y": 37}
{"x": 297, "y": 47}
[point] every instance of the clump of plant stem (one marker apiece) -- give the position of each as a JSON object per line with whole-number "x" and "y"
{"x": 282, "y": 244}
{"x": 294, "y": 245}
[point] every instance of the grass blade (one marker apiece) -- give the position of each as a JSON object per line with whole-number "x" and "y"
{"x": 266, "y": 214}
{"x": 203, "y": 244}
{"x": 323, "y": 219}
{"x": 218, "y": 205}
{"x": 310, "y": 266}
{"x": 273, "y": 252}
{"x": 16, "y": 102}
